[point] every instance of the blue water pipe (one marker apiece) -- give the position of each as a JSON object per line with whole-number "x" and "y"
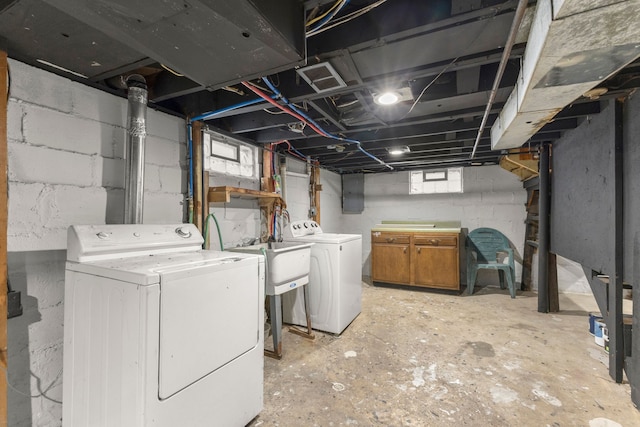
{"x": 210, "y": 114}
{"x": 327, "y": 134}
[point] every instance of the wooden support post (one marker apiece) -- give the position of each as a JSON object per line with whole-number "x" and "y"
{"x": 197, "y": 175}
{"x": 205, "y": 206}
{"x": 3, "y": 236}
{"x": 266, "y": 183}
{"x": 530, "y": 236}
{"x": 316, "y": 187}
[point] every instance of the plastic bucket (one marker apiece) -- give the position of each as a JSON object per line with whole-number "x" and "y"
{"x": 592, "y": 322}
{"x": 598, "y": 332}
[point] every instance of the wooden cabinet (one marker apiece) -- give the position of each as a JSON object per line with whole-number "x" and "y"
{"x": 413, "y": 258}
{"x": 391, "y": 260}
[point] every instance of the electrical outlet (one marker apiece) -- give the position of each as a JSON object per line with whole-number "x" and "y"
{"x": 312, "y": 212}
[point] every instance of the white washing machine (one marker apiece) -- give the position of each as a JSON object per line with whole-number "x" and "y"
{"x": 335, "y": 278}
{"x": 158, "y": 332}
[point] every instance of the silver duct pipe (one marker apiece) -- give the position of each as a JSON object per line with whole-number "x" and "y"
{"x": 506, "y": 52}
{"x": 134, "y": 162}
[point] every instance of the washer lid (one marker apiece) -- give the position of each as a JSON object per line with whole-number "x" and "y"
{"x": 209, "y": 315}
{"x": 145, "y": 269}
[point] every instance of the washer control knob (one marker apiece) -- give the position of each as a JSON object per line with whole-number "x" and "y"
{"x": 102, "y": 235}
{"x": 183, "y": 232}
{"x": 306, "y": 225}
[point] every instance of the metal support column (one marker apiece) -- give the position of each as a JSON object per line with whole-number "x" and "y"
{"x": 544, "y": 231}
{"x": 614, "y": 323}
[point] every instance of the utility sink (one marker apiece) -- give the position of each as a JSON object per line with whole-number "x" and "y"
{"x": 288, "y": 264}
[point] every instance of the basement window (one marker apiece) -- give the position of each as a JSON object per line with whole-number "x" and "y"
{"x": 229, "y": 156}
{"x": 225, "y": 150}
{"x": 436, "y": 181}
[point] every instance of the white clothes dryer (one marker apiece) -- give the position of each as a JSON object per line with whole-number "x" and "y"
{"x": 158, "y": 332}
{"x": 335, "y": 278}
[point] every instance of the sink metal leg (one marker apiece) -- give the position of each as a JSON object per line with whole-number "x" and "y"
{"x": 307, "y": 311}
{"x": 275, "y": 311}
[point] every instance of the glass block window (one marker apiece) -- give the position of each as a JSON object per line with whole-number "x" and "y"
{"x": 436, "y": 181}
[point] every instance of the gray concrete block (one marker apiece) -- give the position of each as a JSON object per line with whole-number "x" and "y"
{"x": 114, "y": 213}
{"x": 479, "y": 212}
{"x": 468, "y": 199}
{"x": 39, "y": 87}
{"x": 14, "y": 121}
{"x": 40, "y": 239}
{"x": 119, "y": 142}
{"x": 66, "y": 205}
{"x": 108, "y": 172}
{"x": 51, "y": 128}
{"x": 165, "y": 126}
{"x": 514, "y": 212}
{"x": 23, "y": 213}
{"x": 97, "y": 105}
{"x": 152, "y": 178}
{"x": 40, "y": 164}
{"x": 172, "y": 180}
{"x": 161, "y": 208}
{"x": 162, "y": 152}
{"x": 39, "y": 215}
{"x": 499, "y": 198}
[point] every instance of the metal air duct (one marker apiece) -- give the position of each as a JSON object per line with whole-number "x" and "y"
{"x": 134, "y": 162}
{"x": 573, "y": 46}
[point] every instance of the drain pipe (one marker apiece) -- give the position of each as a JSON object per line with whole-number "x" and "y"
{"x": 515, "y": 25}
{"x": 134, "y": 163}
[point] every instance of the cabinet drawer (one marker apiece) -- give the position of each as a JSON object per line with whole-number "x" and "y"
{"x": 400, "y": 239}
{"x": 435, "y": 240}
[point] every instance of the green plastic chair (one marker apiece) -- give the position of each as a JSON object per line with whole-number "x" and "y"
{"x": 484, "y": 245}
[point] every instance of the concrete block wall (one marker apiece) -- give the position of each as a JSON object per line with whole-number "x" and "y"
{"x": 66, "y": 145}
{"x": 298, "y": 202}
{"x": 331, "y": 216}
{"x": 492, "y": 198}
{"x": 241, "y": 220}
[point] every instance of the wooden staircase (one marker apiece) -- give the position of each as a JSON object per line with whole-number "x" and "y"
{"x": 523, "y": 164}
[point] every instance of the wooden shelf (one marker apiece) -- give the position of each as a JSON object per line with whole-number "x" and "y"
{"x": 224, "y": 195}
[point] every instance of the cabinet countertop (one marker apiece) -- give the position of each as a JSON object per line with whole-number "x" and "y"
{"x": 410, "y": 229}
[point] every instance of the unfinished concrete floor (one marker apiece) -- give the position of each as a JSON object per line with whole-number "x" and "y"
{"x": 417, "y": 358}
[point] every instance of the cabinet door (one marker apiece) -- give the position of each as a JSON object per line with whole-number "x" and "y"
{"x": 436, "y": 266}
{"x": 390, "y": 263}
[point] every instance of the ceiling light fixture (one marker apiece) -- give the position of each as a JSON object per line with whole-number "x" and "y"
{"x": 392, "y": 96}
{"x": 398, "y": 150}
{"x": 386, "y": 98}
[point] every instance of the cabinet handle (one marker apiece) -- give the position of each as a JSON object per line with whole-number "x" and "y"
{"x": 404, "y": 250}
{"x": 391, "y": 239}
{"x": 434, "y": 241}
{"x": 419, "y": 249}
